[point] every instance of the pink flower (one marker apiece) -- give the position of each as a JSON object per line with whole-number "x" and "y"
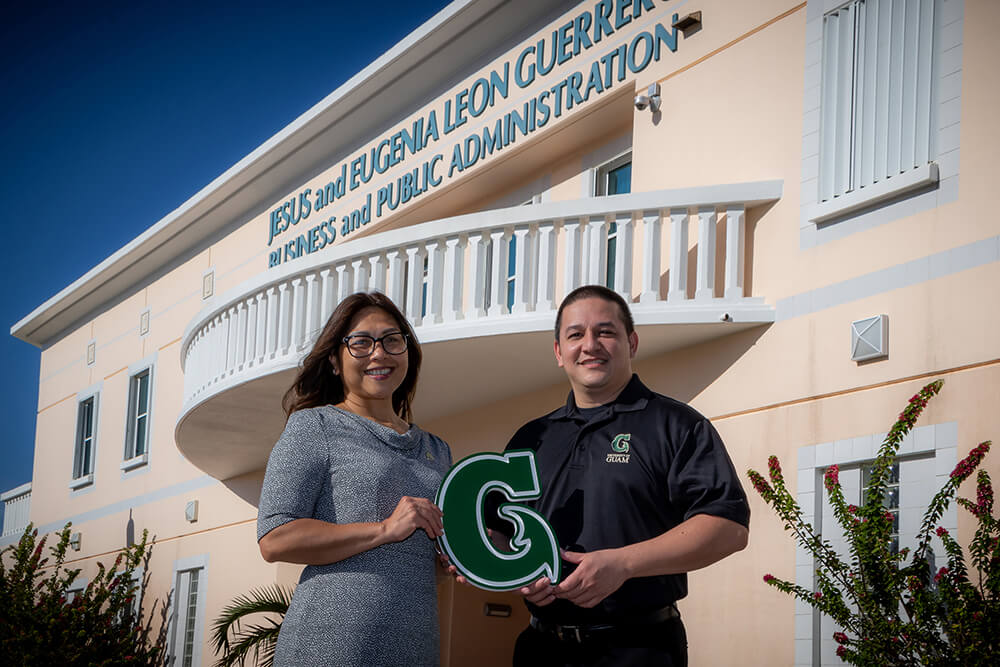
{"x": 943, "y": 572}
{"x": 941, "y": 532}
{"x": 970, "y": 462}
{"x": 768, "y": 578}
{"x": 840, "y": 637}
{"x": 841, "y": 651}
{"x": 832, "y": 477}
{"x": 818, "y": 595}
{"x": 774, "y": 467}
{"x": 853, "y": 509}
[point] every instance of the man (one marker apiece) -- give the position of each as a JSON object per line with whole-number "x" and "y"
{"x": 639, "y": 490}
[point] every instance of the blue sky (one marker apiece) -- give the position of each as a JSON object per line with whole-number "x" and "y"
{"x": 115, "y": 113}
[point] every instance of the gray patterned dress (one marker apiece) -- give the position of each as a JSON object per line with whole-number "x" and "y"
{"x": 380, "y": 606}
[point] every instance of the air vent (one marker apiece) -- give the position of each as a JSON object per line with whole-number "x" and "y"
{"x": 870, "y": 338}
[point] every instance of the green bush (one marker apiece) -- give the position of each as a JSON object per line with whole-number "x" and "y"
{"x": 893, "y": 609}
{"x": 42, "y": 623}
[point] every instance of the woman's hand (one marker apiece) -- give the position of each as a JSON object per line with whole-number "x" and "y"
{"x": 412, "y": 514}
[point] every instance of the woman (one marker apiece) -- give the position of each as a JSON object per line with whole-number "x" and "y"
{"x": 347, "y": 492}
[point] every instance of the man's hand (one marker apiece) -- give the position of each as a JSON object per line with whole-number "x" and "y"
{"x": 540, "y": 593}
{"x": 598, "y": 574}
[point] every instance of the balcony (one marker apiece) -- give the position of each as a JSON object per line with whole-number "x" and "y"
{"x": 16, "y": 505}
{"x": 483, "y": 305}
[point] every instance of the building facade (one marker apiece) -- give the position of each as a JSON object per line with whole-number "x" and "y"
{"x": 793, "y": 195}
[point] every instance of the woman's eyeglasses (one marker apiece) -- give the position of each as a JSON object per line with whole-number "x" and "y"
{"x": 362, "y": 345}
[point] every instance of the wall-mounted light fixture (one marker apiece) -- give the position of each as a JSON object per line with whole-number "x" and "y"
{"x": 191, "y": 511}
{"x": 687, "y": 21}
{"x": 650, "y": 99}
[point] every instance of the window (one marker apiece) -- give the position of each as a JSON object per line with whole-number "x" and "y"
{"x": 137, "y": 433}
{"x": 614, "y": 178}
{"x": 876, "y": 97}
{"x": 189, "y": 611}
{"x": 83, "y": 457}
{"x": 891, "y": 500}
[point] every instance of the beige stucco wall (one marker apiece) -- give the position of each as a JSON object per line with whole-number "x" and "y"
{"x": 732, "y": 112}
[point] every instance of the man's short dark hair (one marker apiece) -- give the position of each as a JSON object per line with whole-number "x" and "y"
{"x": 598, "y": 292}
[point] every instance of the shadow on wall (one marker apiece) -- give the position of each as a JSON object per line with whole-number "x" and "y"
{"x": 687, "y": 372}
{"x": 247, "y": 487}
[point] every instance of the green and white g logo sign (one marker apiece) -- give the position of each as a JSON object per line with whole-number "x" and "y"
{"x": 534, "y": 548}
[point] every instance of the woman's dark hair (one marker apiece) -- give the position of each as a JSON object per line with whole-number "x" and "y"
{"x": 316, "y": 384}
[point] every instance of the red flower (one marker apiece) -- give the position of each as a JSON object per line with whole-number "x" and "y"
{"x": 970, "y": 462}
{"x": 774, "y": 467}
{"x": 832, "y": 477}
{"x": 768, "y": 578}
{"x": 853, "y": 509}
{"x": 841, "y": 651}
{"x": 840, "y": 637}
{"x": 817, "y": 595}
{"x": 943, "y": 572}
{"x": 941, "y": 532}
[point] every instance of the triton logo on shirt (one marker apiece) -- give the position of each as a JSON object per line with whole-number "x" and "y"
{"x": 619, "y": 445}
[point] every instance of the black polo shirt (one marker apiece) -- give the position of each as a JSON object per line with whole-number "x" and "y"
{"x": 623, "y": 473}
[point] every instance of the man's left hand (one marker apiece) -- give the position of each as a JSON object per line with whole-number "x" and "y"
{"x": 598, "y": 574}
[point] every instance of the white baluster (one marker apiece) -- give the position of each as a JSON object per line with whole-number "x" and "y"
{"x": 498, "y": 287}
{"x": 623, "y": 255}
{"x": 415, "y": 283}
{"x": 395, "y": 278}
{"x": 596, "y": 250}
{"x": 241, "y": 335}
{"x": 231, "y": 332}
{"x": 312, "y": 308}
{"x": 571, "y": 269}
{"x": 360, "y": 274}
{"x": 453, "y": 278}
{"x": 650, "y": 257}
{"x": 376, "y": 273}
{"x": 435, "y": 280}
{"x": 705, "y": 287}
{"x": 284, "y": 318}
{"x": 298, "y": 313}
{"x": 522, "y": 272}
{"x": 273, "y": 321}
{"x": 678, "y": 254}
{"x": 477, "y": 274}
{"x": 735, "y": 243}
{"x": 329, "y": 295}
{"x": 343, "y": 282}
{"x": 251, "y": 343}
{"x": 546, "y": 265}
{"x": 261, "y": 336}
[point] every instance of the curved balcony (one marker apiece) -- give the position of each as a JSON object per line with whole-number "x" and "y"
{"x": 486, "y": 287}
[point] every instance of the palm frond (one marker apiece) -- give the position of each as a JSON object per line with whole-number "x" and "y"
{"x": 261, "y": 639}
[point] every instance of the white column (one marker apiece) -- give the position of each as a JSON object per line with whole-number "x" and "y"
{"x": 623, "y": 255}
{"x": 454, "y": 279}
{"x": 415, "y": 280}
{"x": 360, "y": 267}
{"x": 522, "y": 284}
{"x": 477, "y": 274}
{"x": 394, "y": 279}
{"x": 546, "y": 265}
{"x": 705, "y": 287}
{"x": 435, "y": 280}
{"x": 597, "y": 251}
{"x": 498, "y": 300}
{"x": 650, "y": 257}
{"x": 735, "y": 235}
{"x": 376, "y": 275}
{"x": 678, "y": 254}
{"x": 571, "y": 268}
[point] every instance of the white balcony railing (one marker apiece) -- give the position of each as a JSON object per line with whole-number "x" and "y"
{"x": 442, "y": 275}
{"x": 16, "y": 505}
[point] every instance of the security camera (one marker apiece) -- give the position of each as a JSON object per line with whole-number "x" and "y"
{"x": 650, "y": 99}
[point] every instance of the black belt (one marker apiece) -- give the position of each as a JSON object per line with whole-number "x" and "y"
{"x": 582, "y": 633}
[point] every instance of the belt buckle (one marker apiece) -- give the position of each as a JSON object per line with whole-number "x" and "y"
{"x": 569, "y": 632}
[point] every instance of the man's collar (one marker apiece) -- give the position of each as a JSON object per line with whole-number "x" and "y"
{"x": 633, "y": 397}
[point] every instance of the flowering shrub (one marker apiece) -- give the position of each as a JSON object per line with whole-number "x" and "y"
{"x": 42, "y": 623}
{"x": 893, "y": 609}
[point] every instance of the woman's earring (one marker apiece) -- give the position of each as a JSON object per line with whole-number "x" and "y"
{"x": 335, "y": 371}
